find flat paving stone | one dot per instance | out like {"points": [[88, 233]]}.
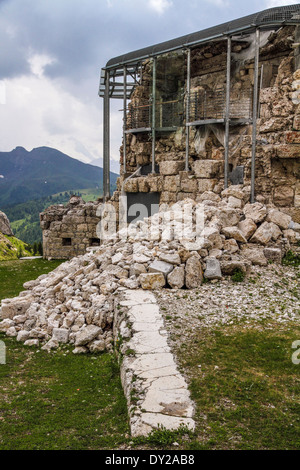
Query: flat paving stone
{"points": [[161, 393]]}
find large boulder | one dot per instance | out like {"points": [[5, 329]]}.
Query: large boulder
{"points": [[5, 227], [193, 272], [152, 281]]}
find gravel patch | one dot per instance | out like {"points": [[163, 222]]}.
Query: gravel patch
{"points": [[269, 295]]}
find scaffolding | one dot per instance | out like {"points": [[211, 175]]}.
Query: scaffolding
{"points": [[168, 116], [210, 106], [160, 113]]}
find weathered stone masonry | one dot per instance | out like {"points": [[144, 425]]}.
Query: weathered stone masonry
{"points": [[70, 230], [184, 148], [278, 131], [101, 301]]}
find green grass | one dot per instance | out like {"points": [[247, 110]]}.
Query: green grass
{"points": [[60, 401], [291, 259], [11, 248], [246, 390], [238, 276], [13, 274], [89, 194]]}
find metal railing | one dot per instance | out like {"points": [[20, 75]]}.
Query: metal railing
{"points": [[138, 117], [203, 105], [207, 105], [168, 115]]}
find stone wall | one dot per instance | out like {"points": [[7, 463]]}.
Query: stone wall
{"points": [[70, 230], [278, 128]]}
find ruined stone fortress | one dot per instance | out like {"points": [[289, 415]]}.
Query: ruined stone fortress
{"points": [[216, 108], [210, 167]]}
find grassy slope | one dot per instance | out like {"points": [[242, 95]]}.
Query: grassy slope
{"points": [[246, 390], [13, 274], [56, 401], [60, 401], [11, 248]]}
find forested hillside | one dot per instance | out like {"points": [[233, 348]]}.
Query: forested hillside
{"points": [[32, 181], [26, 176], [25, 220]]}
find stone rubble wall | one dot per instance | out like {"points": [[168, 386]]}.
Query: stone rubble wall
{"points": [[278, 142], [75, 303], [77, 222], [278, 130]]}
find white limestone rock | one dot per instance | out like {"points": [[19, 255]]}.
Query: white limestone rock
{"points": [[279, 218], [213, 269], [257, 212], [160, 267], [61, 335], [6, 324], [193, 272], [170, 258], [32, 343], [13, 307], [248, 227], [176, 278], [152, 281], [23, 336], [235, 233], [255, 255], [97, 346], [87, 334], [263, 234]]}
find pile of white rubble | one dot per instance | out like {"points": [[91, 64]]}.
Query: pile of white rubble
{"points": [[176, 248]]}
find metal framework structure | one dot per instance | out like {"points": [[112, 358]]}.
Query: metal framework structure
{"points": [[122, 74]]}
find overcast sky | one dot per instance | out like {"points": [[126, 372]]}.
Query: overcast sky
{"points": [[51, 53]]}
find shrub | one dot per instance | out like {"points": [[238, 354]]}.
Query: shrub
{"points": [[238, 275], [291, 259]]}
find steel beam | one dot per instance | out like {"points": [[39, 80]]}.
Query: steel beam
{"points": [[124, 120], [153, 113], [227, 113], [187, 128], [255, 113], [106, 140]]}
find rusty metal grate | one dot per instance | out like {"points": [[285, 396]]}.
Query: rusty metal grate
{"points": [[211, 105], [138, 117], [169, 114]]}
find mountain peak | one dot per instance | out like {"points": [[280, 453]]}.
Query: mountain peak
{"points": [[25, 174]]}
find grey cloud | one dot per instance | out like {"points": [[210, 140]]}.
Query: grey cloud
{"points": [[82, 36]]}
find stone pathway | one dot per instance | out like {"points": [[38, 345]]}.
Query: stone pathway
{"points": [[156, 392]]}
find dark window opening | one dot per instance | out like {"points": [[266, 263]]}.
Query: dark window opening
{"points": [[147, 169], [94, 242], [236, 175], [141, 205], [67, 241]]}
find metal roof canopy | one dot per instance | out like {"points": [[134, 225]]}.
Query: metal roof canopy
{"points": [[130, 65], [271, 17], [266, 19]]}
